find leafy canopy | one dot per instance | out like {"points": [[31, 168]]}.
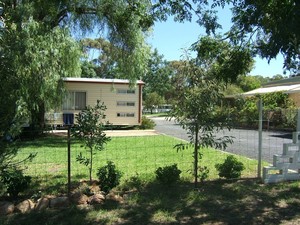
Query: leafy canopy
{"points": [[271, 26]]}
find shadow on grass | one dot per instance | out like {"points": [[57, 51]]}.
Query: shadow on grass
{"points": [[216, 202], [47, 141], [56, 185]]}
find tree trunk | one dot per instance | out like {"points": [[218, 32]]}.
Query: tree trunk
{"points": [[196, 152], [37, 121], [91, 165]]}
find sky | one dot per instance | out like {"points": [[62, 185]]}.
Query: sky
{"points": [[171, 38]]}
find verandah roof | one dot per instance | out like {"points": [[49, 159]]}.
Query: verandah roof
{"points": [[284, 88]]}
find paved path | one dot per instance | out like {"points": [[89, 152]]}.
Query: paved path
{"points": [[130, 133], [245, 141], [116, 133]]}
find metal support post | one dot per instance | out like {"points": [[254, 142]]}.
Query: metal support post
{"points": [[260, 120]]}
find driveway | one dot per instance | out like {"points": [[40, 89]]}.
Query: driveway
{"points": [[245, 141]]}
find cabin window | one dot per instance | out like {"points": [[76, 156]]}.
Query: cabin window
{"points": [[126, 91], [125, 114], [124, 103], [75, 100]]}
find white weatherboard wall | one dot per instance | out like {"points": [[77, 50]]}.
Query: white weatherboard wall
{"points": [[123, 102]]}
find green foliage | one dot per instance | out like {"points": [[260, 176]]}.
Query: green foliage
{"points": [[89, 129], [263, 23], [275, 100], [248, 83], [203, 173], [222, 60], [152, 101], [109, 176], [199, 92], [248, 114], [14, 181], [133, 183], [157, 78], [168, 175], [277, 107], [231, 168], [147, 123], [88, 70]]}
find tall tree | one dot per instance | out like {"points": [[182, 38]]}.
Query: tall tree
{"points": [[158, 76], [197, 107], [248, 83], [152, 101], [36, 59], [272, 26], [37, 49], [105, 56]]}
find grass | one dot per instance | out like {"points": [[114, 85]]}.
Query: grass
{"points": [[244, 201], [132, 155], [217, 201]]}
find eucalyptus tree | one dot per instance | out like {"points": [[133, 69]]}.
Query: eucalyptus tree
{"points": [[199, 96], [152, 101], [89, 129], [158, 76], [271, 26]]}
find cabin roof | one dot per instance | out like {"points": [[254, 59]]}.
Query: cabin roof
{"points": [[101, 80]]}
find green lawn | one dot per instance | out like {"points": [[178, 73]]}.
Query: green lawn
{"points": [[217, 201], [132, 155]]}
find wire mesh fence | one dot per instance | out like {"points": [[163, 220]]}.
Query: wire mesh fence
{"points": [[140, 153]]}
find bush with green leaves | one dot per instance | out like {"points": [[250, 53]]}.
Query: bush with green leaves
{"points": [[109, 176], [14, 181], [231, 168], [147, 123], [132, 183], [203, 173], [168, 175]]}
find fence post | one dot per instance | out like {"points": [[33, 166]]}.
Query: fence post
{"points": [[69, 161], [260, 120], [298, 121]]}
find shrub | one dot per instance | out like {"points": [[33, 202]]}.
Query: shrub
{"points": [[231, 168], [147, 123], [109, 177], [14, 181], [168, 175], [203, 173], [133, 183]]}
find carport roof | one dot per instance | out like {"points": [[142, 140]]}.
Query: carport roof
{"points": [[284, 88]]}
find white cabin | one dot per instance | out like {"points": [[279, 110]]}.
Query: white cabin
{"points": [[122, 99]]}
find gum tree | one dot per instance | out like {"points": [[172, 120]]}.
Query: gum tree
{"points": [[89, 129], [198, 103], [271, 27]]}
